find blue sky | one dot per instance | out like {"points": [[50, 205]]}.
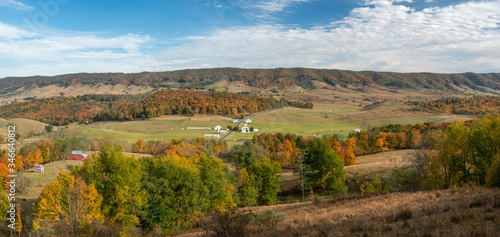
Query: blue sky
{"points": [[50, 37]]}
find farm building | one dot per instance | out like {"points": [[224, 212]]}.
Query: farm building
{"points": [[223, 132], [358, 130], [212, 135], [217, 128], [248, 120], [77, 155], [235, 120], [38, 168], [245, 129]]}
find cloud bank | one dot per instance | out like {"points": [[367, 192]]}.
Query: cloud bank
{"points": [[380, 35]]}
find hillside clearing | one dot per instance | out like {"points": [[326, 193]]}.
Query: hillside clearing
{"points": [[454, 212]]}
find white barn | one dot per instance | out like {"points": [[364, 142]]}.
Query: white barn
{"points": [[212, 135], [245, 129]]}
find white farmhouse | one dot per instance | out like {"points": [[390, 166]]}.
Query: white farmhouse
{"points": [[38, 168], [358, 130], [245, 129], [235, 120], [248, 121], [217, 128]]}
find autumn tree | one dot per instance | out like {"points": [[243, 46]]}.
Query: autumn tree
{"points": [[18, 224], [117, 179], [4, 204], [139, 146], [69, 205], [35, 157]]}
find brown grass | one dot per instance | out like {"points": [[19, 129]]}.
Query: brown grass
{"points": [[37, 181], [379, 165], [75, 90], [457, 212]]}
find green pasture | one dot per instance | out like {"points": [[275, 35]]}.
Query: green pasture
{"points": [[322, 120], [306, 122]]}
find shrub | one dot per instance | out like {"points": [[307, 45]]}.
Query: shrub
{"points": [[230, 223], [270, 219]]}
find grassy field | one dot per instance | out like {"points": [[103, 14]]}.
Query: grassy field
{"points": [[379, 165], [30, 184], [454, 212], [340, 117]]}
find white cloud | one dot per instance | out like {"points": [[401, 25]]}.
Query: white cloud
{"points": [[10, 32], [273, 5], [15, 4], [55, 52], [263, 9], [382, 36]]}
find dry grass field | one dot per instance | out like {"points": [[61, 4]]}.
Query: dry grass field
{"points": [[456, 212], [75, 90], [30, 184], [379, 165]]}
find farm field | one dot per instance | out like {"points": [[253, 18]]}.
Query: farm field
{"points": [[340, 117], [379, 165]]}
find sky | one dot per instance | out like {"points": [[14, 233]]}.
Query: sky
{"points": [[51, 37]]}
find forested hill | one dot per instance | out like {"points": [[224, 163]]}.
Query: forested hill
{"points": [[261, 78], [65, 110]]}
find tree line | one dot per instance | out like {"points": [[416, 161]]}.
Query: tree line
{"points": [[476, 105], [64, 110]]}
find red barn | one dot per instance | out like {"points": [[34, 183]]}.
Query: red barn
{"points": [[77, 155]]}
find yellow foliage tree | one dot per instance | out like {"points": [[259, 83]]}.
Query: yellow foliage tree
{"points": [[139, 146], [4, 206], [68, 204], [19, 162], [18, 224]]}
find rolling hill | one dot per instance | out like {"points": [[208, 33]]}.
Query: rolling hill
{"points": [[280, 78]]}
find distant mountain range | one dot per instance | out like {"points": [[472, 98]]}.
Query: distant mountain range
{"points": [[261, 78]]}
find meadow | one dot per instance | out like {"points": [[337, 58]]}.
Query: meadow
{"points": [[339, 117]]}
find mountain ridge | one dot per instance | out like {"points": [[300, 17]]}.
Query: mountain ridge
{"points": [[261, 78]]}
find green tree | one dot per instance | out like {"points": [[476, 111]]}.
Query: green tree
{"points": [[249, 192], [173, 193], [246, 155], [4, 204], [117, 178], [49, 128], [268, 177], [323, 167]]}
